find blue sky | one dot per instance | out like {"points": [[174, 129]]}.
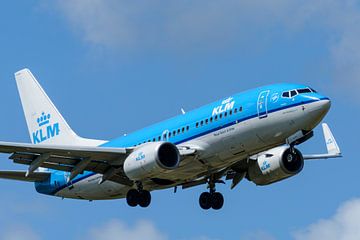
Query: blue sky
{"points": [[112, 67]]}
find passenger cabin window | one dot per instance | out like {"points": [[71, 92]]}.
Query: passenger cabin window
{"points": [[240, 109], [197, 124], [235, 110], [206, 121], [187, 128]]}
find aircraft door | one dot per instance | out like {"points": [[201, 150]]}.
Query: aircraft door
{"points": [[262, 104]]}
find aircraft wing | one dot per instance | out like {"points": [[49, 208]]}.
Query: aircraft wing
{"points": [[73, 159]]}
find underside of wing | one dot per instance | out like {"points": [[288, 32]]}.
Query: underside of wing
{"points": [[21, 176], [73, 159]]}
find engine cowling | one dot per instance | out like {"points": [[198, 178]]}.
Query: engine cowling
{"points": [[151, 159], [275, 165]]}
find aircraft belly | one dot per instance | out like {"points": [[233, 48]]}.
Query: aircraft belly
{"points": [[89, 189]]}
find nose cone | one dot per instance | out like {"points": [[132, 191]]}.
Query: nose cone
{"points": [[325, 105]]}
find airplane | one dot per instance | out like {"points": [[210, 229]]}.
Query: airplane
{"points": [[250, 135]]}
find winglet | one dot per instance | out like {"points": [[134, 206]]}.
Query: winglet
{"points": [[331, 145], [333, 150]]}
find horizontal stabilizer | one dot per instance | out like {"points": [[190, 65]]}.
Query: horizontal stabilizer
{"points": [[21, 176], [333, 150]]}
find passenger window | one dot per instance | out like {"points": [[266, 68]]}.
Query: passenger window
{"points": [[201, 123], [183, 129], [159, 138], [211, 119], [216, 117], [225, 114], [235, 110], [240, 109], [220, 115], [154, 139], [206, 121], [169, 134], [230, 112], [187, 128], [197, 124], [178, 131], [174, 133]]}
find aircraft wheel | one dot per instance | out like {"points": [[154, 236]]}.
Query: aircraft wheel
{"points": [[217, 201], [205, 200], [144, 198], [132, 197]]}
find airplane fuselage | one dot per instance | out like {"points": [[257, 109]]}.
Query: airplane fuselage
{"points": [[224, 132]]}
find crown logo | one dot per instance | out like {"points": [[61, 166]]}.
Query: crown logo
{"points": [[43, 119]]}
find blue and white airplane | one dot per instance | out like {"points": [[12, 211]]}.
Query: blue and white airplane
{"points": [[249, 135]]}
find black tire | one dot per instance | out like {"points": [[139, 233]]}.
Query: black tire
{"points": [[205, 200], [132, 198], [217, 201], [144, 198]]}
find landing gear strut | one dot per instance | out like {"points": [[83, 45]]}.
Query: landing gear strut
{"points": [[211, 199], [139, 197]]}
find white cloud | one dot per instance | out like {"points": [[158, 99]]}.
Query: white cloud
{"points": [[344, 225], [115, 229], [18, 232]]}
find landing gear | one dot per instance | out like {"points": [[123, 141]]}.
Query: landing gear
{"points": [[212, 199], [139, 197]]}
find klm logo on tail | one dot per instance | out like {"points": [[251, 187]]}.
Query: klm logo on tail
{"points": [[46, 129]]}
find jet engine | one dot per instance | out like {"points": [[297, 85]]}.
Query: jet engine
{"points": [[151, 159], [274, 165]]}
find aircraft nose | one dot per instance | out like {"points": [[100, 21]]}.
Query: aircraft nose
{"points": [[325, 104]]}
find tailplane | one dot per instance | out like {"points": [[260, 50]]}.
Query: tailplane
{"points": [[45, 123]]}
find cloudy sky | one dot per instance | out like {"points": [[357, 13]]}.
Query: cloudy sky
{"points": [[114, 66]]}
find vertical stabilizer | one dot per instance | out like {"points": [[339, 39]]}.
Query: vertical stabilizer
{"points": [[45, 123]]}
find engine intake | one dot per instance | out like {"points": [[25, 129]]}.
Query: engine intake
{"points": [[151, 160], [275, 165]]}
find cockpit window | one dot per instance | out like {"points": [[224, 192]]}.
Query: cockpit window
{"points": [[313, 90], [293, 93], [304, 90], [286, 94]]}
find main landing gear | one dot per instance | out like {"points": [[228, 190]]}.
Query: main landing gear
{"points": [[139, 197], [211, 199]]}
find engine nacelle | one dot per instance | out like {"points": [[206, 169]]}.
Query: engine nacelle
{"points": [[275, 165], [151, 159]]}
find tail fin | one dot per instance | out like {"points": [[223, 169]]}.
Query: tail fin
{"points": [[44, 121]]}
